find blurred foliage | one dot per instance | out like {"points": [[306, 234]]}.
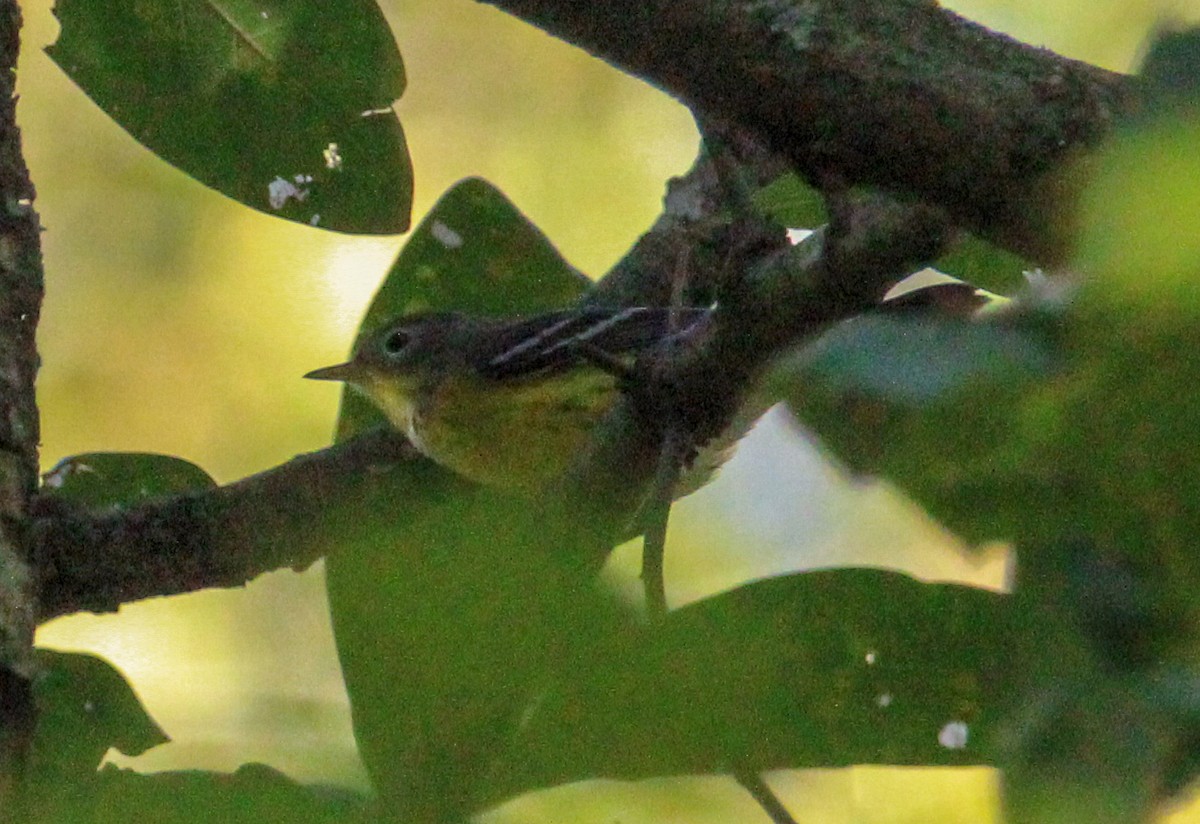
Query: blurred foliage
{"points": [[947, 408], [1065, 425], [1139, 241], [888, 356], [1170, 74], [281, 106]]}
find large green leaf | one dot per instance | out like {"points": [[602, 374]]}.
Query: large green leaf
{"points": [[447, 624], [817, 669], [284, 106], [446, 615], [951, 410], [85, 707], [254, 794]]}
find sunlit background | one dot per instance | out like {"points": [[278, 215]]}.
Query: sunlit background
{"points": [[177, 321]]}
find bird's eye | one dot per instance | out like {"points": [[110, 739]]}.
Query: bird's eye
{"points": [[395, 342]]}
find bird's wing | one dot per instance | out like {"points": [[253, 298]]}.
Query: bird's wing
{"points": [[558, 340]]}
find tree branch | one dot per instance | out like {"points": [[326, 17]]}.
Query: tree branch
{"points": [[692, 239], [903, 96], [20, 305], [288, 516]]}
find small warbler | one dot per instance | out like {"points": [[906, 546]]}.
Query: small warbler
{"points": [[505, 403]]}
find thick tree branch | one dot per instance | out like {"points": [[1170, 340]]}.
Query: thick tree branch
{"points": [[20, 305], [286, 517], [903, 96]]}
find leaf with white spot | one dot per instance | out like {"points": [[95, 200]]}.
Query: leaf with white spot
{"points": [[245, 94], [120, 479], [817, 669]]}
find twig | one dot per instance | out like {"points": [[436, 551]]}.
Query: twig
{"points": [[765, 796], [657, 514]]}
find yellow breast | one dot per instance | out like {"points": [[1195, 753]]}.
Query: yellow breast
{"points": [[516, 435], [521, 435]]}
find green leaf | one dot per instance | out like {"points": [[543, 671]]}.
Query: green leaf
{"points": [[474, 252], [916, 361], [957, 413], [253, 794], [984, 265], [283, 106], [120, 479], [1093, 749], [445, 613], [817, 669], [447, 622], [792, 202], [86, 707]]}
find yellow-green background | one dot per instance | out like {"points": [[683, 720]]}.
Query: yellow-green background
{"points": [[177, 321]]}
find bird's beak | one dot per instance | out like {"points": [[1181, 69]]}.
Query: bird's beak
{"points": [[349, 372]]}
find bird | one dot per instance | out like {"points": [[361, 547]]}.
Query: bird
{"points": [[507, 403]]}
